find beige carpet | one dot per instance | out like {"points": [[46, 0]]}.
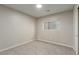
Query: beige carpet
{"points": [[39, 48]]}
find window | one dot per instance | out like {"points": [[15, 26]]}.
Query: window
{"points": [[51, 25]]}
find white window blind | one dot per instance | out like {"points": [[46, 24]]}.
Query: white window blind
{"points": [[51, 25]]}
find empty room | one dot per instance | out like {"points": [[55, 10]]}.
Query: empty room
{"points": [[38, 29]]}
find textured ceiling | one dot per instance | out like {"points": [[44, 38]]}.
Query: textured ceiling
{"points": [[47, 9]]}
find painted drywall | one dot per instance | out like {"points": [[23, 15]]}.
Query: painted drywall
{"points": [[63, 36], [75, 28], [15, 28]]}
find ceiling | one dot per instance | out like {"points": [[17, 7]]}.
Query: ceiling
{"points": [[47, 9]]}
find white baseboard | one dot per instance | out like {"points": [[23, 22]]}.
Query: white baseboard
{"points": [[76, 52], [16, 45], [56, 43]]}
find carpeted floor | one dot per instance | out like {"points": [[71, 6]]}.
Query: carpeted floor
{"points": [[39, 48]]}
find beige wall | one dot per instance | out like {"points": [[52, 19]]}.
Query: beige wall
{"points": [[63, 36], [15, 28]]}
